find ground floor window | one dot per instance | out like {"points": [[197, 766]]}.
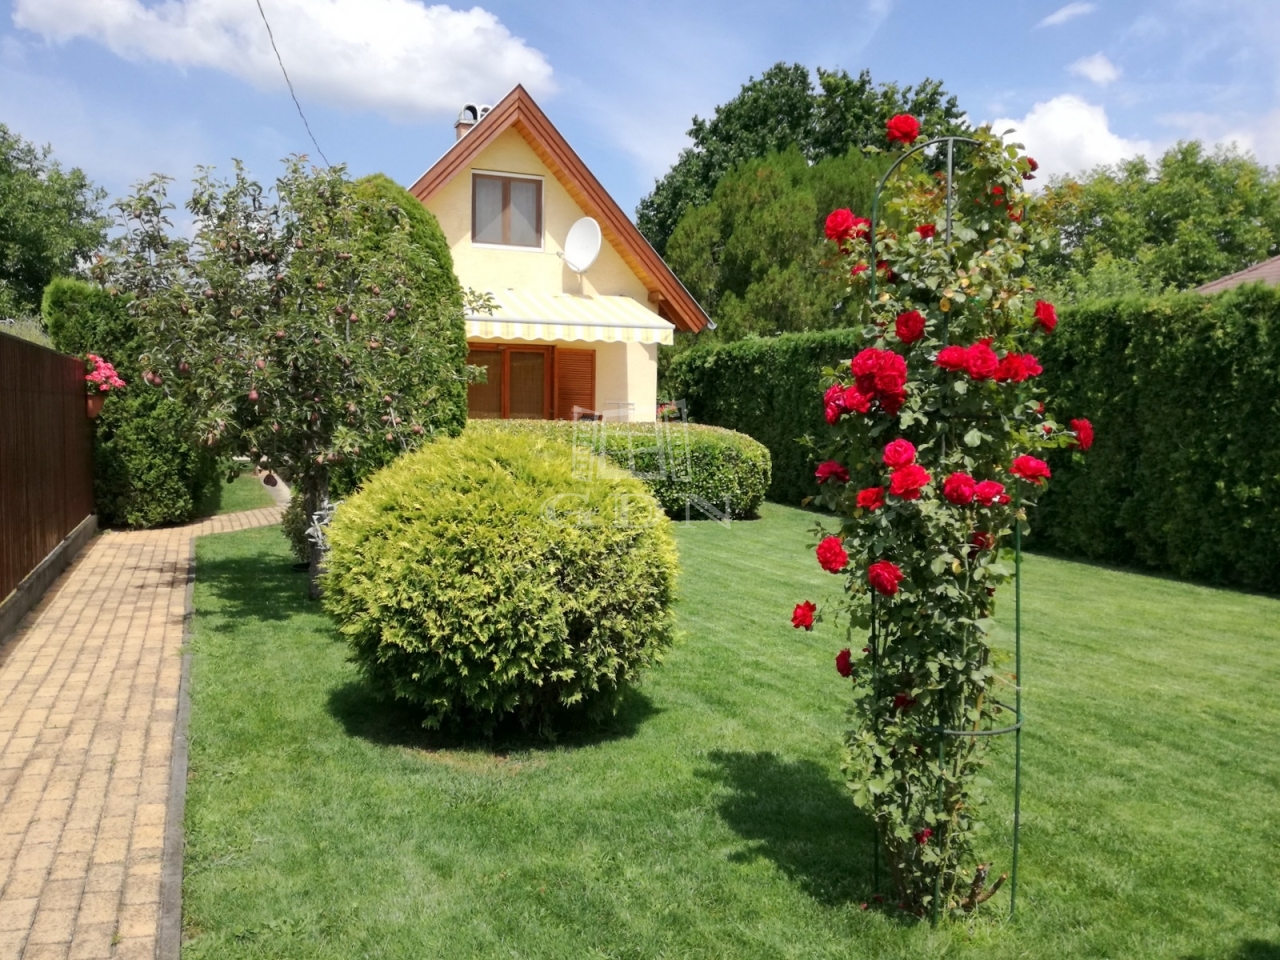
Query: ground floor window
{"points": [[527, 382]]}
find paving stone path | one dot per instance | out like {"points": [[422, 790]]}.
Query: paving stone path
{"points": [[89, 708]]}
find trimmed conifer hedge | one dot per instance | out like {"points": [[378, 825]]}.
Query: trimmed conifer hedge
{"points": [[1184, 395], [767, 388]]}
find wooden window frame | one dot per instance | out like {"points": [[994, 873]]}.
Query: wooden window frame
{"points": [[548, 373], [505, 180]]}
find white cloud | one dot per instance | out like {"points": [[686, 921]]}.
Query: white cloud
{"points": [[400, 58], [1069, 12], [1259, 135], [1096, 68], [1068, 135]]}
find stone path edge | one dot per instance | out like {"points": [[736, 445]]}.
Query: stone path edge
{"points": [[169, 935]]}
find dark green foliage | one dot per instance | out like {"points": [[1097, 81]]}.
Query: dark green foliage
{"points": [[1190, 218], [50, 220], [679, 463], [780, 110], [754, 255], [1184, 394], [769, 389], [294, 523], [479, 577], [149, 468], [435, 283]]}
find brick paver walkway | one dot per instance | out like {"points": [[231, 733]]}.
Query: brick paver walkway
{"points": [[89, 691]]}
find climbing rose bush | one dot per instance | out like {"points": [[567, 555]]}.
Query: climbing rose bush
{"points": [[936, 424]]}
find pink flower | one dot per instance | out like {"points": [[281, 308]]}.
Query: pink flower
{"points": [[899, 453], [832, 470]]}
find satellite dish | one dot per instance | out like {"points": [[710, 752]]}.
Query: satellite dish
{"points": [[582, 245]]}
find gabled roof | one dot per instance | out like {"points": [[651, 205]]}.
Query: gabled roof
{"points": [[1268, 272], [518, 110]]}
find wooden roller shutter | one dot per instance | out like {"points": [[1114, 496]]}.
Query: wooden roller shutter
{"points": [[575, 381]]}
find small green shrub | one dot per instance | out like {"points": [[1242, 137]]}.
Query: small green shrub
{"points": [[479, 578], [767, 388], [148, 467], [679, 463], [294, 524]]}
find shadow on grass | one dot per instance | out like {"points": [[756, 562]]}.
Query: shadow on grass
{"points": [[364, 713], [262, 587], [1248, 950], [795, 815]]}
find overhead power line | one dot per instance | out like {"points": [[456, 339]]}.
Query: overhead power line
{"points": [[289, 83]]}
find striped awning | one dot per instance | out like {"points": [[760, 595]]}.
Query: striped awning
{"points": [[527, 315]]}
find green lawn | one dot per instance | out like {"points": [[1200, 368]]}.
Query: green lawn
{"points": [[245, 493], [711, 820]]}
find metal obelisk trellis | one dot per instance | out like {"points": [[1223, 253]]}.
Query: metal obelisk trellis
{"points": [[1016, 727]]}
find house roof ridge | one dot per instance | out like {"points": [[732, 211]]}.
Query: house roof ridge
{"points": [[519, 110]]}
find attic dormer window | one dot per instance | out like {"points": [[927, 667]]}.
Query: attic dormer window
{"points": [[506, 211]]}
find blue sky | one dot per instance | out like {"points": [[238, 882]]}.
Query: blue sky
{"points": [[127, 87]]}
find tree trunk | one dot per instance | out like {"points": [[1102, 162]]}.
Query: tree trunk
{"points": [[315, 490]]}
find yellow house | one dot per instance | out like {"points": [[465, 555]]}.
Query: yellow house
{"points": [[562, 343]]}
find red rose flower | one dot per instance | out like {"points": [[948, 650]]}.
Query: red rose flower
{"points": [[802, 615], [833, 413], [899, 453], [1016, 367], [1046, 316], [1030, 174], [990, 492], [832, 470], [882, 266], [1015, 215], [831, 555], [903, 129], [952, 358], [1030, 469], [982, 540], [844, 663], [834, 394], [906, 482], [839, 226], [892, 402], [959, 488], [997, 193], [865, 366], [857, 401], [884, 577], [871, 498], [927, 230], [909, 326], [980, 361], [903, 701], [1084, 433], [922, 837], [856, 269]]}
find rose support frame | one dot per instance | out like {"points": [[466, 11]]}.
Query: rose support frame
{"points": [[1016, 727]]}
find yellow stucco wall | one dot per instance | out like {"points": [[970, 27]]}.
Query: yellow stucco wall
{"points": [[625, 372], [502, 268]]}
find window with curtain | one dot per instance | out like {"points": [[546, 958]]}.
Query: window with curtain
{"points": [[506, 210]]}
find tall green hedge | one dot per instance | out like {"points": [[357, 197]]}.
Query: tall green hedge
{"points": [[1184, 395], [148, 468], [768, 389]]}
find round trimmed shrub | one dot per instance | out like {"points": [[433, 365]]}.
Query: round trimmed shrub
{"points": [[718, 466], [479, 578]]}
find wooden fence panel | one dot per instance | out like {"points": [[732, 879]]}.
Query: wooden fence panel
{"points": [[46, 455]]}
